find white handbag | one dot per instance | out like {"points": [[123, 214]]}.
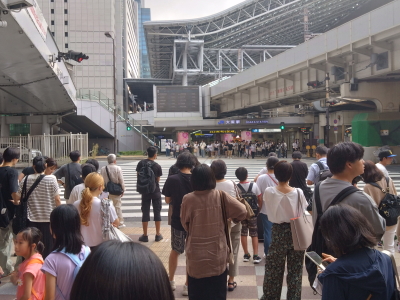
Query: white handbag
{"points": [[109, 231], [302, 228]]}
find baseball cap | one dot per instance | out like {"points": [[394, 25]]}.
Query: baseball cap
{"points": [[386, 153]]}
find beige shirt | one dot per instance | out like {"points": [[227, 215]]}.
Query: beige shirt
{"points": [[376, 193], [206, 247], [116, 175]]}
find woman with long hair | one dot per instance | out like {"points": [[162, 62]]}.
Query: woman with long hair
{"points": [[89, 208], [372, 177]]}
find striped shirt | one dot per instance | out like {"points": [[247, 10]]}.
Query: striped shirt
{"points": [[41, 202]]}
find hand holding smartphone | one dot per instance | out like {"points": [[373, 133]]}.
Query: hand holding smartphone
{"points": [[316, 259]]}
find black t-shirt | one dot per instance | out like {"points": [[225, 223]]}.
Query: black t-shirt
{"points": [[156, 169], [300, 172], [230, 147], [177, 186], [173, 170], [8, 185], [28, 171]]}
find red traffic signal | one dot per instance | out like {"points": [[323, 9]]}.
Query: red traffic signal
{"points": [[77, 56]]}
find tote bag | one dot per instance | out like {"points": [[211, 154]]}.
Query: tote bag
{"points": [[302, 228]]}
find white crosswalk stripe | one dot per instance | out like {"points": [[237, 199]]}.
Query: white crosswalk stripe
{"points": [[131, 202]]}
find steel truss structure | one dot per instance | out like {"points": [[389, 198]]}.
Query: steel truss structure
{"points": [[265, 23]]}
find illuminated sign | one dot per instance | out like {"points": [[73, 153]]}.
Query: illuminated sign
{"points": [[228, 122], [222, 131], [266, 130]]}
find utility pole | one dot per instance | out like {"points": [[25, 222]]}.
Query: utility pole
{"points": [[327, 110], [108, 34]]}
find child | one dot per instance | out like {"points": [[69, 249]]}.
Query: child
{"points": [[251, 193], [62, 265], [29, 278]]}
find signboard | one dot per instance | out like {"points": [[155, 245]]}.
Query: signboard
{"points": [[178, 98], [38, 19], [384, 132], [335, 129], [229, 122], [222, 131], [254, 121], [266, 130]]}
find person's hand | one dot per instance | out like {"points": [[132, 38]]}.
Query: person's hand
{"points": [[328, 258], [1, 272], [15, 202], [14, 277]]}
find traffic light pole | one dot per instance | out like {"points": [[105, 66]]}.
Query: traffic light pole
{"points": [[115, 101], [327, 110]]}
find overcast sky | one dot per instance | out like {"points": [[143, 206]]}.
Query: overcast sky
{"points": [[186, 9]]}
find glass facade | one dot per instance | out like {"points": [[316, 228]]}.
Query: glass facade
{"points": [[144, 16]]}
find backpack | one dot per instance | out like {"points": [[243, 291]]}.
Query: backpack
{"points": [[146, 180], [323, 173], [73, 179], [389, 208], [318, 244], [76, 260], [250, 197]]}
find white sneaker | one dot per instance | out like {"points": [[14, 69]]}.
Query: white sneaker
{"points": [[121, 226], [185, 291], [173, 287]]}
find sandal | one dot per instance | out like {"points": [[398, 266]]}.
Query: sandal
{"points": [[231, 286]]}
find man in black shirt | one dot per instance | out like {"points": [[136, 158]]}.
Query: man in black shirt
{"points": [[175, 187], [71, 172], [29, 170], [153, 198], [300, 172], [9, 189]]}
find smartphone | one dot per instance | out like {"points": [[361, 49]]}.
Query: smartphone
{"points": [[316, 259]]}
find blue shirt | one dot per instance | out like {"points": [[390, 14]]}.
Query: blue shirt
{"points": [[313, 174]]}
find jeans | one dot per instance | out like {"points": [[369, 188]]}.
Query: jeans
{"points": [[202, 152], [167, 152], [6, 237], [267, 231]]}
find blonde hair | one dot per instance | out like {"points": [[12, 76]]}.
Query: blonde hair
{"points": [[92, 182]]}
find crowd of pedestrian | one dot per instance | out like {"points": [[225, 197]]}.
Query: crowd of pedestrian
{"points": [[63, 251]]}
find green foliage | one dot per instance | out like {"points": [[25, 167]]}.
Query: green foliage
{"points": [[95, 150], [130, 153]]}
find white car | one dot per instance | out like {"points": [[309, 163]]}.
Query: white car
{"points": [[24, 151]]}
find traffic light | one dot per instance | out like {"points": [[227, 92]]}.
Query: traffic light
{"points": [[282, 125], [315, 84], [128, 127], [77, 56]]}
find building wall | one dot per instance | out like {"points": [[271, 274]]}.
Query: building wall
{"points": [[80, 26], [144, 16]]}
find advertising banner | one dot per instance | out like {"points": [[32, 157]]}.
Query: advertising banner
{"points": [[246, 135], [182, 137]]}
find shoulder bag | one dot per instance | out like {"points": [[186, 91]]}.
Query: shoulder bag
{"points": [[113, 188], [396, 295], [227, 227], [21, 211], [389, 208], [109, 231], [302, 227], [250, 212]]}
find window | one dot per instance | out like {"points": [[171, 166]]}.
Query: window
{"points": [[52, 10], [20, 129], [52, 1], [52, 22], [66, 34], [66, 45], [52, 33], [65, 22], [65, 11], [65, 1]]}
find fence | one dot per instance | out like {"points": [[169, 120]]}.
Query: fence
{"points": [[55, 146]]}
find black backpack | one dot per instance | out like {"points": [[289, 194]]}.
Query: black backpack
{"points": [[73, 179], [318, 244], [323, 173], [389, 208], [146, 180], [250, 197]]}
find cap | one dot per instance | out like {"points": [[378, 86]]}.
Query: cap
{"points": [[386, 153]]}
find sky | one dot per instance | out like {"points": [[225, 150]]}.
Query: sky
{"points": [[186, 9]]}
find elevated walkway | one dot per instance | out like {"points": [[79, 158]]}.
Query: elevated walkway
{"points": [[366, 49]]}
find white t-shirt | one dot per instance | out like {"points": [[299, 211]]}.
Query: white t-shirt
{"points": [[255, 188], [383, 169], [93, 234], [227, 186], [76, 193], [264, 181], [263, 171], [283, 207]]}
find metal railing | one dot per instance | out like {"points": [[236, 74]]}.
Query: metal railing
{"points": [[55, 146]]}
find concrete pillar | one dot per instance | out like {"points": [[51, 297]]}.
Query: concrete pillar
{"points": [[5, 128], [45, 125]]}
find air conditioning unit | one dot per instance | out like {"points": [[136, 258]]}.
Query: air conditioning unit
{"points": [[16, 4]]}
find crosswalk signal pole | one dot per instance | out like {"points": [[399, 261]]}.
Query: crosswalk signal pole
{"points": [[327, 110]]}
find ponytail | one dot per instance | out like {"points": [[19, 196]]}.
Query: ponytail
{"points": [[40, 247], [85, 206], [33, 236]]}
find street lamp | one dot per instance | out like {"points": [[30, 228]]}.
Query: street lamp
{"points": [[108, 34]]}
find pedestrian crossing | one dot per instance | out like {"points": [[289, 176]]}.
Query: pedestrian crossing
{"points": [[131, 201]]}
